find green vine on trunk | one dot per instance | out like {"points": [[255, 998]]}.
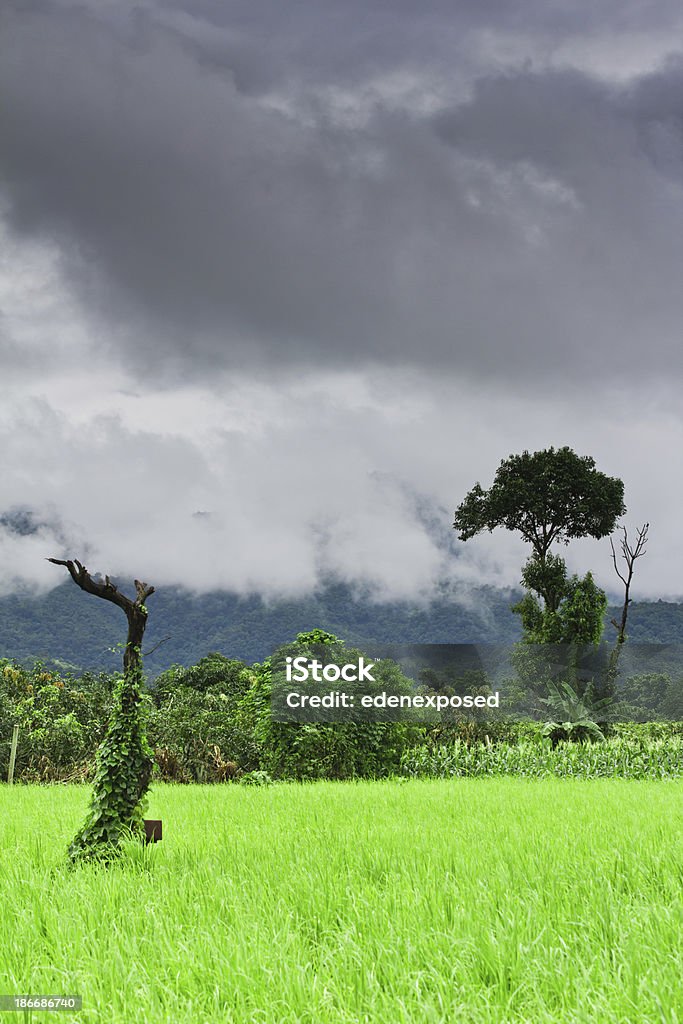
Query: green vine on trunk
{"points": [[122, 776], [124, 759]]}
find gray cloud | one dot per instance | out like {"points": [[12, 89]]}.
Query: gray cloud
{"points": [[312, 270], [312, 214]]}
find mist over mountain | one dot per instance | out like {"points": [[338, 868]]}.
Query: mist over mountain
{"points": [[69, 626], [19, 521]]}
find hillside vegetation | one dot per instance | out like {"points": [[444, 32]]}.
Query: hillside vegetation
{"points": [[67, 626]]}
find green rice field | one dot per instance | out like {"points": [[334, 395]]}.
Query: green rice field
{"points": [[457, 900]]}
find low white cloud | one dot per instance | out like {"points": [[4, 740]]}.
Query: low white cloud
{"points": [[320, 480]]}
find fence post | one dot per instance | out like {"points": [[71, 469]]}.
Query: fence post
{"points": [[13, 755]]}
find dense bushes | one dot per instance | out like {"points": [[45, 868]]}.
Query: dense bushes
{"points": [[321, 749], [212, 722], [200, 725], [61, 721], [208, 723]]}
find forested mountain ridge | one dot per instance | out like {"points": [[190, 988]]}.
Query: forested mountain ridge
{"points": [[69, 626]]}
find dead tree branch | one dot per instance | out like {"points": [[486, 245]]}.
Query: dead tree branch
{"points": [[135, 610], [153, 649], [630, 554]]}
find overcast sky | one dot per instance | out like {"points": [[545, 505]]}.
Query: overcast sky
{"points": [[280, 281]]}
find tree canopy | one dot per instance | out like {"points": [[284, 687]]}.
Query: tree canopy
{"points": [[547, 496]]}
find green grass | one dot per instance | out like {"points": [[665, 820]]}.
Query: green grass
{"points": [[463, 900]]}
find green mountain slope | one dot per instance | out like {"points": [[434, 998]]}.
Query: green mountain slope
{"points": [[73, 627]]}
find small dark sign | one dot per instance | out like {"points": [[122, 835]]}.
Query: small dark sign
{"points": [[152, 830]]}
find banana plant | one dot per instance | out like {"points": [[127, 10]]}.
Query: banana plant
{"points": [[574, 717]]}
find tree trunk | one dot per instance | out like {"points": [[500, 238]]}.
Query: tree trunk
{"points": [[124, 759]]}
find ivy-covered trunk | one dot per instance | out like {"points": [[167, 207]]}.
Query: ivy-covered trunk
{"points": [[122, 775], [124, 759]]}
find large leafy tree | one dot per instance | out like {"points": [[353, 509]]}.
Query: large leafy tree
{"points": [[549, 496]]}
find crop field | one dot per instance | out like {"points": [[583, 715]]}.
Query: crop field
{"points": [[476, 900]]}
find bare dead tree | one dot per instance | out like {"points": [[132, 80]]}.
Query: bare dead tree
{"points": [[630, 553], [124, 758], [136, 611]]}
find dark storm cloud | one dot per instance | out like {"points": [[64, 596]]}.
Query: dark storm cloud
{"points": [[337, 38], [243, 188]]}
